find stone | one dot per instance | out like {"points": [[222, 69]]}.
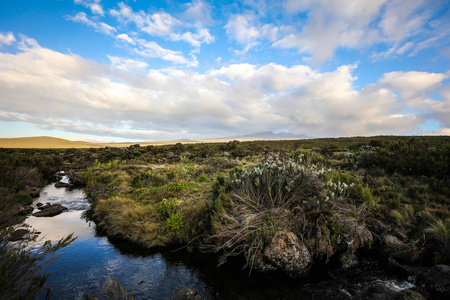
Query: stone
{"points": [[436, 280], [348, 261], [398, 269], [63, 184], [50, 210], [288, 254], [18, 235], [186, 294]]}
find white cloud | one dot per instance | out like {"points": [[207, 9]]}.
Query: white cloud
{"points": [[246, 30], [195, 39], [67, 92], [402, 26], [403, 18], [127, 64], [164, 25], [411, 83], [7, 39], [98, 26], [93, 5], [154, 50], [198, 12], [124, 37]]}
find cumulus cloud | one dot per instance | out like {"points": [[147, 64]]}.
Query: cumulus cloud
{"points": [[126, 99], [318, 28], [246, 30], [93, 5], [124, 37], [7, 39], [164, 25], [98, 26], [412, 83]]}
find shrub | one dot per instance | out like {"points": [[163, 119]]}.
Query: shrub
{"points": [[286, 193]]}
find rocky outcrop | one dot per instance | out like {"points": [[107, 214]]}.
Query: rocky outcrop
{"points": [[286, 253], [437, 280], [186, 294], [50, 210]]}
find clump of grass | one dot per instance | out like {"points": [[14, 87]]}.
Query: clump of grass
{"points": [[287, 193]]}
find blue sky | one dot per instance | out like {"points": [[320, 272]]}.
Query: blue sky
{"points": [[164, 70]]}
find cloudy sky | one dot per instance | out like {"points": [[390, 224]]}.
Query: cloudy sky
{"points": [[163, 70]]}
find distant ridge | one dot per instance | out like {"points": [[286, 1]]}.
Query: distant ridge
{"points": [[46, 142], [266, 135], [43, 142]]}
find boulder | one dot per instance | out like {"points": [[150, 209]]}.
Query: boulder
{"points": [[18, 235], [63, 184], [186, 294], [39, 204], [288, 254], [398, 269], [50, 210], [436, 280], [348, 261]]}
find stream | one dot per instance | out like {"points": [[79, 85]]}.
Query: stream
{"points": [[159, 273]]}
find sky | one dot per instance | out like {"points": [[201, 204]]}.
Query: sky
{"points": [[100, 70]]}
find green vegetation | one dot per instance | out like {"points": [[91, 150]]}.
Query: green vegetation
{"points": [[387, 196], [20, 276]]}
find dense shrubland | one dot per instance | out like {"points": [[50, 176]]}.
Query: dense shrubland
{"points": [[386, 196]]}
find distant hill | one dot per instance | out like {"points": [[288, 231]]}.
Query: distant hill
{"points": [[51, 142], [266, 135], [43, 142]]}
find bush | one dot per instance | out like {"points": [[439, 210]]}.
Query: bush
{"points": [[285, 193]]}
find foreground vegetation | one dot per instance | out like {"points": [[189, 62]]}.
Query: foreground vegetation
{"points": [[322, 198]]}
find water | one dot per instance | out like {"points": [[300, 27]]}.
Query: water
{"points": [[158, 273]]}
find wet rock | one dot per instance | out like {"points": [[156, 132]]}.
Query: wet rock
{"points": [[287, 253], [18, 235], [409, 295], [63, 184], [50, 210], [39, 204], [348, 261], [186, 294], [398, 269], [260, 265], [436, 280]]}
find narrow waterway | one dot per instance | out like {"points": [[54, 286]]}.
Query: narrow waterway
{"points": [[157, 274], [87, 262]]}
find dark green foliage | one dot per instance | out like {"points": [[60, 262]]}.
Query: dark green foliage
{"points": [[20, 276], [146, 179]]}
